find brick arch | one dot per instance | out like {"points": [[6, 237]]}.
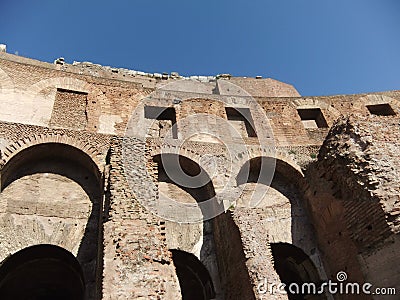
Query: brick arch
{"points": [[196, 162], [311, 103], [284, 159], [279, 155], [67, 83], [178, 150], [42, 104], [283, 165], [195, 156], [194, 181], [17, 243], [55, 181], [15, 148], [278, 204], [51, 260], [284, 256], [190, 153]]}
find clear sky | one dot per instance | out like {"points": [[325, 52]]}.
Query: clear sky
{"points": [[322, 47]]}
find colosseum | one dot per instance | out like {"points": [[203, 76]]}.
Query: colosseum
{"points": [[119, 184]]}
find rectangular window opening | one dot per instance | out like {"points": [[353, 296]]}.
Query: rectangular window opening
{"points": [[312, 118], [381, 109], [165, 120], [60, 90], [242, 120]]}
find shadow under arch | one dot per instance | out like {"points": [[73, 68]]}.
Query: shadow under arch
{"points": [[194, 279], [295, 267], [166, 163], [286, 181], [72, 163], [282, 206], [259, 170], [196, 239], [19, 164], [41, 272]]}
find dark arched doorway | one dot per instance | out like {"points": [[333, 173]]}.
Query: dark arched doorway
{"points": [[194, 279], [41, 272], [56, 191], [193, 234], [295, 267]]}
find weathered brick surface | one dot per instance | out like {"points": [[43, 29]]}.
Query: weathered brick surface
{"points": [[354, 189], [66, 180], [137, 264], [70, 110]]}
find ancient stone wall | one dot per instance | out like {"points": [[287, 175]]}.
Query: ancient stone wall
{"points": [[353, 194], [29, 94], [137, 264], [81, 168]]}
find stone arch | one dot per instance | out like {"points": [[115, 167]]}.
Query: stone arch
{"points": [[186, 191], [285, 159], [35, 103], [284, 189], [279, 164], [239, 160], [189, 168], [45, 272], [279, 155], [15, 148], [263, 170], [279, 213], [196, 238], [189, 153], [51, 193], [194, 279], [68, 83]]}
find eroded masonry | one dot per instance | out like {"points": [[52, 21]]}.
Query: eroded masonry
{"points": [[117, 184]]}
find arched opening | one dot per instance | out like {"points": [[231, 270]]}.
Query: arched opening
{"points": [[194, 238], [257, 170], [194, 279], [51, 193], [56, 156], [41, 272], [186, 192], [197, 183], [280, 216], [295, 268], [268, 182], [263, 169]]}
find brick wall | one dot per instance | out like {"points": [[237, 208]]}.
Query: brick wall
{"points": [[349, 196]]}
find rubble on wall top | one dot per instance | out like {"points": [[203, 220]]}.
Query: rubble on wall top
{"points": [[127, 72], [89, 66], [256, 86]]}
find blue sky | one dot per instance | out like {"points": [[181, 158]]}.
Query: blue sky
{"points": [[322, 47]]}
